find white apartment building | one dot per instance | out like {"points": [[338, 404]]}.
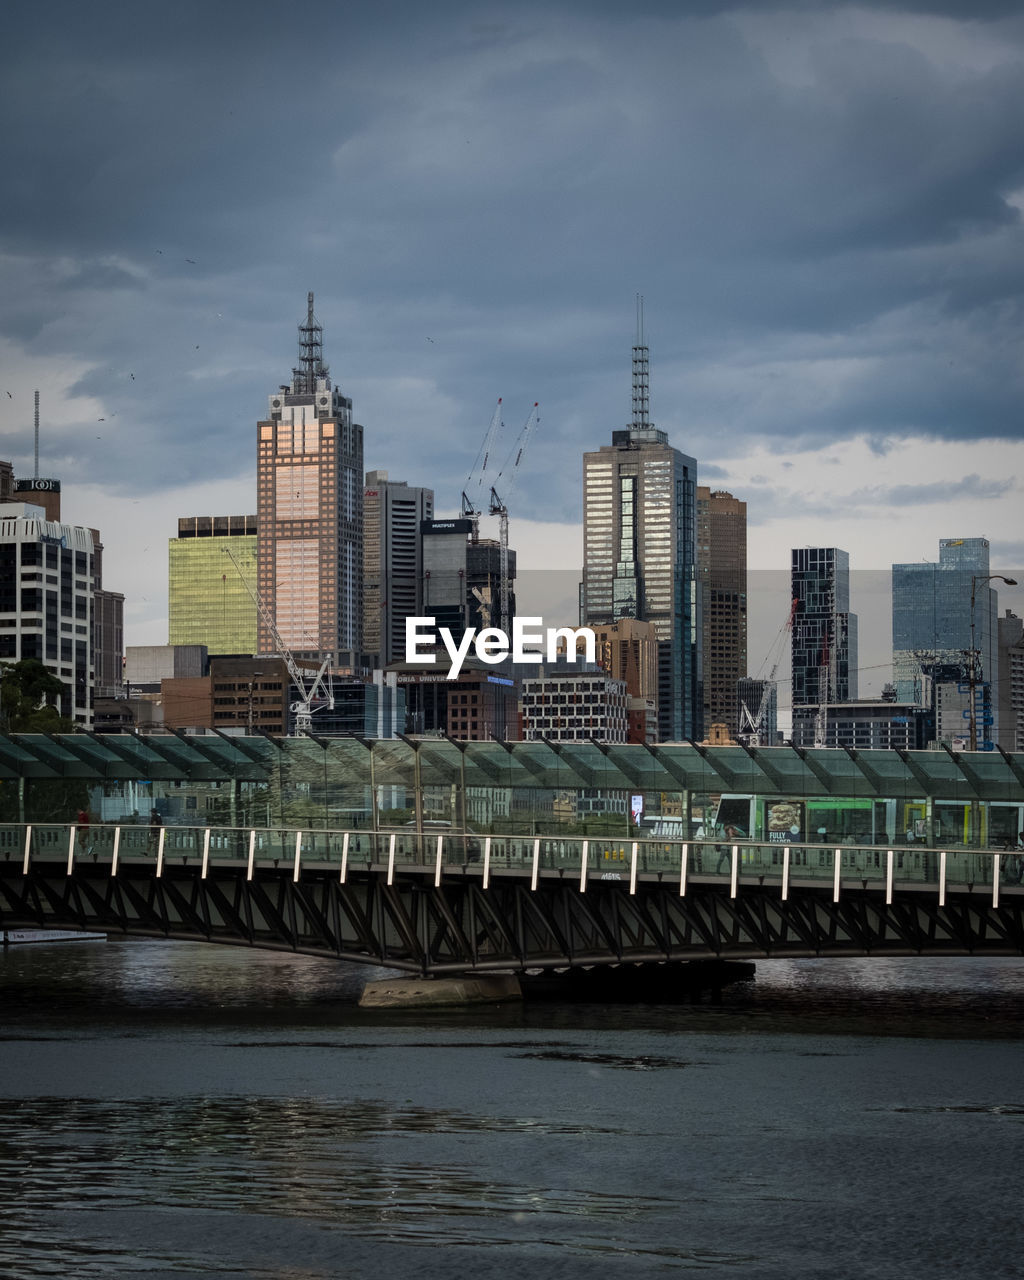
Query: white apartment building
{"points": [[46, 601]]}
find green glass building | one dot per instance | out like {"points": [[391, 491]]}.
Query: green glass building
{"points": [[208, 602]]}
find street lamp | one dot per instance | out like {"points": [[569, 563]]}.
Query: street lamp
{"points": [[973, 671]]}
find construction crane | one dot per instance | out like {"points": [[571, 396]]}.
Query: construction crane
{"points": [[320, 691], [751, 725], [500, 509], [471, 510]]}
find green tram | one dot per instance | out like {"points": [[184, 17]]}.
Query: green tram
{"points": [[833, 820]]}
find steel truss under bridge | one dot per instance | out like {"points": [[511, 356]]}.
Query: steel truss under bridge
{"points": [[429, 924]]}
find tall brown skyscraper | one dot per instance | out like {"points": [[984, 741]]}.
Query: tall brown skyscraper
{"points": [[309, 509], [722, 571]]}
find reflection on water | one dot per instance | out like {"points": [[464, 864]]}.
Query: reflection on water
{"points": [[180, 1110], [346, 1167], [202, 984]]}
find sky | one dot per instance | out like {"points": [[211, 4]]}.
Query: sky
{"points": [[820, 204]]}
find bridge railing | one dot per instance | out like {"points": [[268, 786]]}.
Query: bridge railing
{"points": [[582, 858]]}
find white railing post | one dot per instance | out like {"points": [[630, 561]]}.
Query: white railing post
{"points": [[252, 854], [206, 854], [785, 873], [487, 862], [536, 864], [942, 878], [117, 848], [583, 867], [297, 866], [391, 859], [682, 870], [632, 868], [438, 862], [837, 859], [28, 850], [71, 849], [888, 876], [734, 877], [344, 858], [995, 879], [160, 852]]}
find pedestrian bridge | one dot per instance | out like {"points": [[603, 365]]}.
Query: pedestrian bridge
{"points": [[450, 902]]}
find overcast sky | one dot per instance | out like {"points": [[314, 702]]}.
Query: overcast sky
{"points": [[821, 205]]}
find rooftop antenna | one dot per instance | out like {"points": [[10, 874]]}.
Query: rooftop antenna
{"points": [[37, 438], [311, 353], [641, 374]]}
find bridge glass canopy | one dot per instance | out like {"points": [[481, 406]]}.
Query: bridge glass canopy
{"points": [[348, 782]]}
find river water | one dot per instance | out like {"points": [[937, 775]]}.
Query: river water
{"points": [[178, 1110]]}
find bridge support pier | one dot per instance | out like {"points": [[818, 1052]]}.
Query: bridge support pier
{"points": [[417, 993]]}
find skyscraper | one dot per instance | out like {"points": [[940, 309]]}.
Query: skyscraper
{"points": [[392, 562], [208, 601], [639, 556], [824, 630], [722, 570], [309, 509], [931, 615]]}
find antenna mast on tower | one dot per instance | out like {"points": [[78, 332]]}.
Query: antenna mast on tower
{"points": [[36, 475], [641, 374], [311, 354]]}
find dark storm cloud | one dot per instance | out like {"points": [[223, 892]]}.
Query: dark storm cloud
{"points": [[475, 194], [910, 495], [773, 499]]}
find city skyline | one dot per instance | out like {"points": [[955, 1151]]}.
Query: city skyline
{"points": [[830, 257]]}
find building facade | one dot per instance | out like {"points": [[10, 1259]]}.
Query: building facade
{"points": [[309, 510], [575, 706], [393, 513], [480, 705], [46, 601], [722, 572], [1011, 682], [869, 725], [933, 621], [824, 641], [209, 564], [639, 556]]}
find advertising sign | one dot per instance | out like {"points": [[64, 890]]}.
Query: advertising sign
{"points": [[785, 821]]}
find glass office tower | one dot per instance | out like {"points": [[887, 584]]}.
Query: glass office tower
{"points": [[824, 644], [931, 614], [932, 640], [639, 557], [208, 602]]}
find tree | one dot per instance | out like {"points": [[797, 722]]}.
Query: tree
{"points": [[29, 699]]}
